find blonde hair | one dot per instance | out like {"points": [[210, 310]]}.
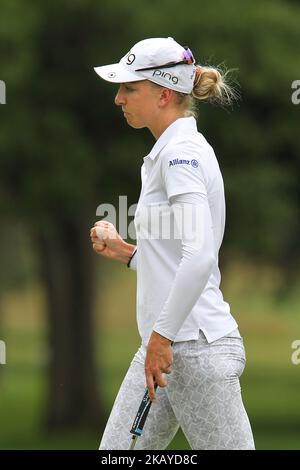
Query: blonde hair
{"points": [[211, 84]]}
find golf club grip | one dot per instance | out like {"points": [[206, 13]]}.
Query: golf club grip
{"points": [[141, 416]]}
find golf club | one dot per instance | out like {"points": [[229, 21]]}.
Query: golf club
{"points": [[141, 416]]}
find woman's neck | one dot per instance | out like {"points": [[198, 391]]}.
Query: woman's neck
{"points": [[159, 126]]}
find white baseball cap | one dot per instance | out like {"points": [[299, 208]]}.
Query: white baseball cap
{"points": [[160, 60]]}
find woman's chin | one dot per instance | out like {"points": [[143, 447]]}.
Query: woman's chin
{"points": [[132, 123]]}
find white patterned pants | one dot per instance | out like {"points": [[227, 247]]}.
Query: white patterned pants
{"points": [[203, 397]]}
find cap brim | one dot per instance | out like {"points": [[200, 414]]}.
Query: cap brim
{"points": [[117, 73]]}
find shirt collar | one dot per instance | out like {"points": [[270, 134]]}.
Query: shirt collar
{"points": [[181, 125]]}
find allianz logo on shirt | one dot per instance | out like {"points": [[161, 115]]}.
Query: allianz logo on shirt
{"points": [[178, 161]]}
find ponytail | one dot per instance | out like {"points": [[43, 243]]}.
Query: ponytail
{"points": [[211, 84]]}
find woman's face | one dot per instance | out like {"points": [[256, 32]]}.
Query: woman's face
{"points": [[139, 101]]}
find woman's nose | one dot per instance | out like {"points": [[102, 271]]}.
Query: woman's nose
{"points": [[119, 99]]}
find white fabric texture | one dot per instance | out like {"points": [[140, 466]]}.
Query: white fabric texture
{"points": [[193, 219], [181, 162], [203, 397]]}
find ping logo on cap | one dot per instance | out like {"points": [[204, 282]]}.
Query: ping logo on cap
{"points": [[166, 75]]}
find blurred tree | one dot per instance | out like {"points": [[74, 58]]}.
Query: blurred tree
{"points": [[41, 146], [65, 149]]}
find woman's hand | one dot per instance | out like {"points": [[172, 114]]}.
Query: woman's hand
{"points": [[159, 360], [107, 242]]}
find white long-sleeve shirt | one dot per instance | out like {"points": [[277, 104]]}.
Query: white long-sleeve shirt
{"points": [[179, 222]]}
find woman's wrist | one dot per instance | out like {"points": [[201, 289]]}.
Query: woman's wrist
{"points": [[126, 253], [162, 339]]}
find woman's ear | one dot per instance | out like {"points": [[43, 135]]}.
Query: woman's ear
{"points": [[165, 97]]}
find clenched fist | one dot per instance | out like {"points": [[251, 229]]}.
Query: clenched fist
{"points": [[107, 242]]}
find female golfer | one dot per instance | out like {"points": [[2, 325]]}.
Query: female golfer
{"points": [[186, 327]]}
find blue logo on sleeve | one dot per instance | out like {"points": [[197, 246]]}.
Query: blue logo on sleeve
{"points": [[178, 161]]}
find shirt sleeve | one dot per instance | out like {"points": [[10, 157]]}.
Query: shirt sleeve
{"points": [[182, 169], [192, 214]]}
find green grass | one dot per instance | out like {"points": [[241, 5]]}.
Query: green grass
{"points": [[270, 383]]}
